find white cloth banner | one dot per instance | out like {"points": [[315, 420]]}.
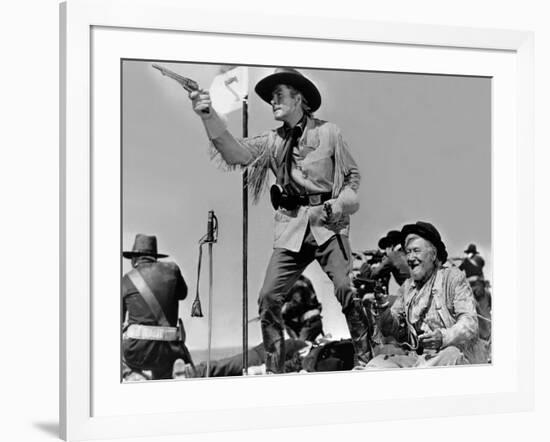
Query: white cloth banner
{"points": [[229, 88]]}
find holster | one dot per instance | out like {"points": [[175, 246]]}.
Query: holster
{"points": [[181, 331], [280, 198], [287, 199]]}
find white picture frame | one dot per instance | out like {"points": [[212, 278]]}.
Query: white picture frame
{"points": [[79, 416]]}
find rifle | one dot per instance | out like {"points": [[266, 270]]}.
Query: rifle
{"points": [[374, 256], [366, 286]]}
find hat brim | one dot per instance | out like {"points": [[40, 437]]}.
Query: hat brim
{"points": [[415, 229], [131, 255], [265, 87]]}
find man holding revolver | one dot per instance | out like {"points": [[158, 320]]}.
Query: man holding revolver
{"points": [[314, 195]]}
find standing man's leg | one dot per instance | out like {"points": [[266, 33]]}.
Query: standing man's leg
{"points": [[283, 270], [335, 259]]}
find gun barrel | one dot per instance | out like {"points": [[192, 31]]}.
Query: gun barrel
{"points": [[188, 84]]}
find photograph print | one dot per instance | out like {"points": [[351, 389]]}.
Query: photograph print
{"points": [[290, 220]]}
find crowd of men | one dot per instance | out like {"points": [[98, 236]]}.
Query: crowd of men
{"points": [[433, 319], [440, 314]]}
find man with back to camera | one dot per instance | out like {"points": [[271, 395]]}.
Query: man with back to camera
{"points": [[314, 195], [153, 337]]}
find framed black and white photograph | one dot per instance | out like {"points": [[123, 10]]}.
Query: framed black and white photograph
{"points": [[419, 148], [252, 210]]}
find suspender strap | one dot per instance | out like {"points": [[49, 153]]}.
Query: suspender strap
{"points": [[149, 297]]}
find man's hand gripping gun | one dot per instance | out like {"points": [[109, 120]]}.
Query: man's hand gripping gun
{"points": [[188, 84]]}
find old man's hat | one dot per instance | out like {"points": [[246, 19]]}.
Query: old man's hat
{"points": [[144, 245], [471, 249], [429, 233], [290, 77]]}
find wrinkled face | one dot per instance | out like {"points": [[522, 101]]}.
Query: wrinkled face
{"points": [[286, 107], [421, 257]]}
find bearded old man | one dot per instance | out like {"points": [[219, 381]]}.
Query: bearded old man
{"points": [[434, 316], [315, 193]]}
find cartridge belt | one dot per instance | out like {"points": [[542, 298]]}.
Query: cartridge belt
{"points": [[153, 333], [279, 198]]}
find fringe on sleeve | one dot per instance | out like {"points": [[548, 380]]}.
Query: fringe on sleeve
{"points": [[342, 166], [218, 161], [258, 169]]}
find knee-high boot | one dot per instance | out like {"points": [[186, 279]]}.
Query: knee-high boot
{"points": [[361, 333], [275, 358]]}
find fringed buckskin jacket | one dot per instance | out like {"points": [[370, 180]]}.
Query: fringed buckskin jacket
{"points": [[323, 164], [444, 302]]}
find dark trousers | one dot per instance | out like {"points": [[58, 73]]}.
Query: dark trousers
{"points": [[282, 272], [155, 356], [233, 365]]}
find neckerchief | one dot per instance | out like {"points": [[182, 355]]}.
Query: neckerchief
{"points": [[292, 135]]}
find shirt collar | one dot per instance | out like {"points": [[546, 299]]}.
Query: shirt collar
{"points": [[301, 124], [413, 282]]}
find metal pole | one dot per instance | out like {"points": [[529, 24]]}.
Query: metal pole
{"points": [[245, 246], [210, 315]]}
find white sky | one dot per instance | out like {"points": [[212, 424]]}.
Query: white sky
{"points": [[422, 143]]}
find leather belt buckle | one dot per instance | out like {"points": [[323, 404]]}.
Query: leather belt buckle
{"points": [[314, 200]]}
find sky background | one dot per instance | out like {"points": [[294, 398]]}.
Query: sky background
{"points": [[422, 143]]}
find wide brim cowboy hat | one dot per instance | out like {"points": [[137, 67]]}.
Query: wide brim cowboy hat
{"points": [[144, 245], [290, 77], [471, 249], [428, 232]]}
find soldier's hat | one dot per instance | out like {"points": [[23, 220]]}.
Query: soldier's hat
{"points": [[471, 249], [290, 77], [392, 238], [144, 245], [383, 243], [429, 233]]}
